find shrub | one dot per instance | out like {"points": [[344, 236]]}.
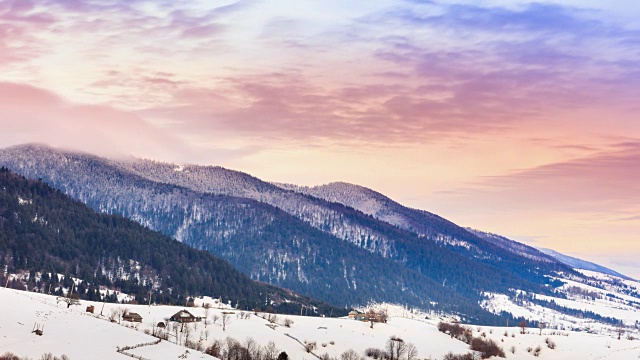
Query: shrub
{"points": [[537, 350], [487, 348], [374, 353], [451, 356], [214, 349], [550, 343], [9, 356], [310, 346]]}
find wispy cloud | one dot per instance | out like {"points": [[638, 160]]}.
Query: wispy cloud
{"points": [[30, 114]]}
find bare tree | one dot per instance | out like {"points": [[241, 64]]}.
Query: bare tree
{"points": [[207, 310], [186, 333], [371, 316], [72, 299], [541, 326], [226, 319], [271, 351], [287, 322], [350, 355], [523, 325], [395, 348], [113, 315], [412, 352], [176, 329], [251, 347], [273, 318], [620, 331], [121, 313]]}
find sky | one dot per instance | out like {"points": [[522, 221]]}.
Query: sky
{"points": [[509, 116]]}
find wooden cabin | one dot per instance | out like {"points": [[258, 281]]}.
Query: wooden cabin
{"points": [[132, 317], [183, 316]]}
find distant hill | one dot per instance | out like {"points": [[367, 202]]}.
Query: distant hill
{"points": [[44, 231], [582, 264]]}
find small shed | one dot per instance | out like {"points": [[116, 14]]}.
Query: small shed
{"points": [[132, 317], [91, 309], [353, 314]]}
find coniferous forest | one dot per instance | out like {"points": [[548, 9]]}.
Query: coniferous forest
{"points": [[324, 250], [54, 239]]}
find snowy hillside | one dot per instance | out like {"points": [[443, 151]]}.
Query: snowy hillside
{"points": [[81, 335], [600, 304], [581, 264]]}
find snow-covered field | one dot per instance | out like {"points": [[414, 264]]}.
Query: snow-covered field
{"points": [[80, 335], [604, 295]]}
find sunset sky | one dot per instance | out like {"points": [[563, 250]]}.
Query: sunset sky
{"points": [[515, 117]]}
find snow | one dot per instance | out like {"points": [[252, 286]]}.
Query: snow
{"points": [[80, 335], [611, 298], [66, 331]]}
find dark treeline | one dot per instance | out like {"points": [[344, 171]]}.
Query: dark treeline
{"points": [[42, 230]]}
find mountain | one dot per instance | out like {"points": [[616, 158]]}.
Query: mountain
{"points": [[514, 246], [43, 231], [469, 242], [582, 264], [288, 238]]}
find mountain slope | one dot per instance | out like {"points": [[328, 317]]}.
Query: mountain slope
{"points": [[44, 231], [514, 246], [582, 264], [516, 258], [318, 208], [329, 256]]}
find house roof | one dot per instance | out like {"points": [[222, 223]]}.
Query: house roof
{"points": [[183, 314]]}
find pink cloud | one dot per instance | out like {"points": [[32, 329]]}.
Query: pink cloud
{"points": [[605, 182], [31, 114]]}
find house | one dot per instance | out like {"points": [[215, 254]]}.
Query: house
{"points": [[132, 317], [183, 316], [91, 309], [369, 316]]}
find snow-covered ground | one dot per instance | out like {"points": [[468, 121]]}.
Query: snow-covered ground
{"points": [[80, 335], [604, 295]]}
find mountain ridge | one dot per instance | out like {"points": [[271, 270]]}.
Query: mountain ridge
{"points": [[193, 204], [583, 264], [46, 232]]}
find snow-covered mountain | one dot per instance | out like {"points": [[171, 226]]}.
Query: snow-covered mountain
{"points": [[427, 224], [581, 264], [514, 246], [340, 243]]}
